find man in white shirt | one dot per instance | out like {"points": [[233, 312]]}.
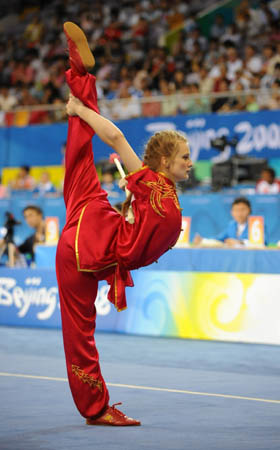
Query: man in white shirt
{"points": [[234, 63], [268, 184], [7, 100], [253, 62]]}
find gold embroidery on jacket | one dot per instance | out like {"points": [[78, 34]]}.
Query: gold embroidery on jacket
{"points": [[159, 190], [86, 378], [136, 171]]}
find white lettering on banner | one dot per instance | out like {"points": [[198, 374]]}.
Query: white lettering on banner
{"points": [[35, 281], [153, 127], [251, 138], [34, 295], [202, 140], [199, 122], [257, 138], [102, 304], [273, 135], [244, 145], [6, 298], [23, 298]]}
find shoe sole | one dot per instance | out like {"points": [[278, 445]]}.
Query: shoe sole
{"points": [[111, 425], [79, 38]]}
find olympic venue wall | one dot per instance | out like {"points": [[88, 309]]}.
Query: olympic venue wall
{"points": [[258, 135]]}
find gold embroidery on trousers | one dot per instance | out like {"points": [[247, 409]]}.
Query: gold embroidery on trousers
{"points": [[159, 190], [86, 378]]}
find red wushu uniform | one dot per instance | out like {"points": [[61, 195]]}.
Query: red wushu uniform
{"points": [[97, 243], [122, 246]]}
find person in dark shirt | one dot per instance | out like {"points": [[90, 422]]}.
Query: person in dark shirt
{"points": [[33, 216]]}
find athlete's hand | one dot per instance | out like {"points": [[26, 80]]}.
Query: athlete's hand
{"points": [[123, 183], [73, 105]]}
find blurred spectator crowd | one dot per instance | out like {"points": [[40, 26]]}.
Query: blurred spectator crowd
{"points": [[151, 57], [43, 185], [25, 182]]}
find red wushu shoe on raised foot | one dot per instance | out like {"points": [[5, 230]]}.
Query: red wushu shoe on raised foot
{"points": [[114, 417], [80, 56]]}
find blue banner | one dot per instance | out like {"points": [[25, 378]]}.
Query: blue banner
{"points": [[258, 135], [223, 306], [29, 297]]}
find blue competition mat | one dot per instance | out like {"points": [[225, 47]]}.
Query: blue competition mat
{"points": [[188, 394]]}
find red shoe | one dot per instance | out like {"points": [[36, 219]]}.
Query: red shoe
{"points": [[112, 416], [80, 56]]}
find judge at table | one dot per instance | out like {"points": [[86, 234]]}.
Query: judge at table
{"points": [[236, 232]]}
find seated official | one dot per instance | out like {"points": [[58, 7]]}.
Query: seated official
{"points": [[236, 232]]}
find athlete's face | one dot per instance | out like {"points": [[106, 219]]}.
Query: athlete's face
{"points": [[180, 166]]}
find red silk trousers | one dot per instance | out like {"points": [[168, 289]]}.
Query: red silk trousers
{"points": [[77, 290]]}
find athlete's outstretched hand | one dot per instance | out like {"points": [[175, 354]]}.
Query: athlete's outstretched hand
{"points": [[72, 104]]}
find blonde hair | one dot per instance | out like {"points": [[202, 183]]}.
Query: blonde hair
{"points": [[163, 143]]}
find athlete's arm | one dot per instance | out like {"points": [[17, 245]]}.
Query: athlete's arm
{"points": [[107, 131]]}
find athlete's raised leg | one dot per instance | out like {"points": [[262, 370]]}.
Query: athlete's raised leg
{"points": [[81, 182]]}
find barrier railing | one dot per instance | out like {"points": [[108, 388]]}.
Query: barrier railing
{"points": [[153, 106]]}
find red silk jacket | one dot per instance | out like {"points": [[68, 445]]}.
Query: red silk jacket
{"points": [[107, 245]]}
